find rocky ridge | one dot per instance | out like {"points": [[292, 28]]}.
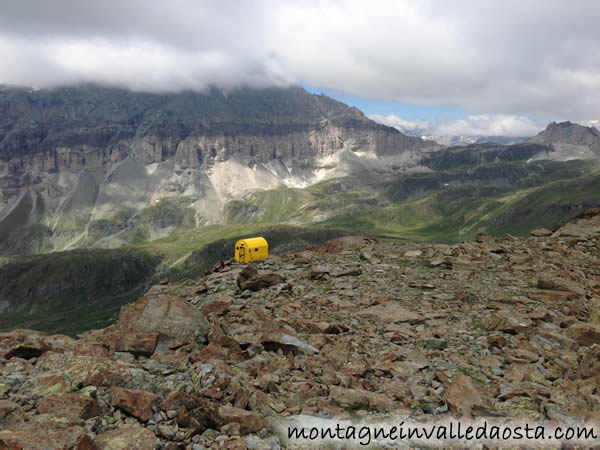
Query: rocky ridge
{"points": [[504, 327], [569, 141]]}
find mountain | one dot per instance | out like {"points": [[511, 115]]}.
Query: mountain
{"points": [[558, 142], [467, 140], [427, 131], [97, 166], [570, 141]]}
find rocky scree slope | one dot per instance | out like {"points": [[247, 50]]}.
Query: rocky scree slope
{"points": [[500, 327], [83, 166]]}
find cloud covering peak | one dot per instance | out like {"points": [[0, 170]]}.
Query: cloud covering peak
{"points": [[510, 57]]}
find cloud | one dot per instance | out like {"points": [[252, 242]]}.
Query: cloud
{"points": [[491, 125], [470, 125], [590, 123], [406, 126], [511, 57]]}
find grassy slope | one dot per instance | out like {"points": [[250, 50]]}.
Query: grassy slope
{"points": [[70, 292], [460, 213], [548, 205]]}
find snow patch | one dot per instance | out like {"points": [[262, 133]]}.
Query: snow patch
{"points": [[366, 155], [151, 168], [231, 180]]}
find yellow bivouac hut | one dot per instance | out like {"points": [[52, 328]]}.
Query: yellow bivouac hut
{"points": [[251, 249]]}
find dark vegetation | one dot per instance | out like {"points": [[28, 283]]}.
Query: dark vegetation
{"points": [[74, 291]]}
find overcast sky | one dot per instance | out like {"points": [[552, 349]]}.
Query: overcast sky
{"points": [[500, 65]]}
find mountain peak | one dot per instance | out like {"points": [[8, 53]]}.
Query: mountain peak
{"points": [[567, 133], [568, 125], [570, 140], [564, 124]]}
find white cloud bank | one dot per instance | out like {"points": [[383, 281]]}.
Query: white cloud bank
{"points": [[470, 125], [507, 58]]}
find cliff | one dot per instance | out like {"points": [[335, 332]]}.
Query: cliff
{"points": [[79, 165], [90, 126]]}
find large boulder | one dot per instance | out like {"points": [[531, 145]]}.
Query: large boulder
{"points": [[589, 365], [136, 342], [356, 398], [126, 437], [24, 344], [585, 333], [250, 422], [462, 396], [81, 371], [71, 405], [44, 431], [10, 414], [138, 403], [249, 278], [171, 317], [47, 383]]}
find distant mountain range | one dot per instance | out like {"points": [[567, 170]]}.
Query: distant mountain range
{"points": [[551, 135], [450, 141]]}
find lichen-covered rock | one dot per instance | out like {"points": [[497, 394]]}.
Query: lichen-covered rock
{"points": [[170, 316], [585, 333], [24, 344], [354, 398], [462, 396], [41, 432], [250, 422], [70, 405], [127, 437], [136, 342], [11, 414], [138, 403]]}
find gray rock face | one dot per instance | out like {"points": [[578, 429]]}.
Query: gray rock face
{"points": [[169, 316], [90, 127], [569, 140], [569, 133], [79, 164]]}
